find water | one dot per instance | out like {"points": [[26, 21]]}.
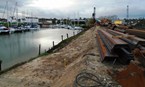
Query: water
{"points": [[19, 47]]}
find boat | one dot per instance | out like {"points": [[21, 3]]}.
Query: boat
{"points": [[4, 29], [77, 28], [33, 26]]}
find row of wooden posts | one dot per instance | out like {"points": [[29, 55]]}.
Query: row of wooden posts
{"points": [[40, 47], [53, 44]]}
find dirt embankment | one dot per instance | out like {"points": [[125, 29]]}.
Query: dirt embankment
{"points": [[59, 69]]}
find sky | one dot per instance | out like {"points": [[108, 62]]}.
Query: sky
{"points": [[73, 8]]}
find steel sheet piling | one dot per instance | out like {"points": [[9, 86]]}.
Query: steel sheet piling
{"points": [[116, 46]]}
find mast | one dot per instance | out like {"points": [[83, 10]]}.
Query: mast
{"points": [[31, 18], [127, 12], [78, 19], [5, 10], [17, 13], [7, 14], [94, 14], [127, 15]]}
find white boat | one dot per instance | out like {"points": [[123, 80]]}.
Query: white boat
{"points": [[34, 27], [78, 28], [11, 30], [69, 27], [4, 29]]}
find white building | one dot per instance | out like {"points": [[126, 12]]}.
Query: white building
{"points": [[29, 20]]}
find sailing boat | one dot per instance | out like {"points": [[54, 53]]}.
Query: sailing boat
{"points": [[5, 29], [34, 23], [14, 20]]}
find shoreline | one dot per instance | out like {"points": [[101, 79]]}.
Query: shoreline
{"points": [[52, 50], [60, 68]]}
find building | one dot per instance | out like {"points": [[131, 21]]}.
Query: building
{"points": [[29, 20], [78, 22], [44, 22], [3, 20]]}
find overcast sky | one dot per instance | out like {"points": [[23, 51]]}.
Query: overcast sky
{"points": [[75, 8]]}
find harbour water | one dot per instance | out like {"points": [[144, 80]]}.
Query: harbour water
{"points": [[19, 47]]}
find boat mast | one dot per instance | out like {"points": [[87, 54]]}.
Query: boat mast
{"points": [[78, 19], [7, 14], [17, 13], [5, 10]]}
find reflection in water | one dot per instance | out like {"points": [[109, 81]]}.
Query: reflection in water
{"points": [[19, 47]]}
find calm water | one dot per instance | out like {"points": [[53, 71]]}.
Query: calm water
{"points": [[19, 47]]}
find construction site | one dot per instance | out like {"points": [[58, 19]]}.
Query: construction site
{"points": [[102, 56], [105, 55]]}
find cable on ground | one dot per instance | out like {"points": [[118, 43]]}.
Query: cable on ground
{"points": [[85, 79]]}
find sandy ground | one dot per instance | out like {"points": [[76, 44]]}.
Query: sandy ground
{"points": [[59, 69]]}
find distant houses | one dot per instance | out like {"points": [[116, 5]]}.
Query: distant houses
{"points": [[29, 20], [3, 20], [44, 22]]}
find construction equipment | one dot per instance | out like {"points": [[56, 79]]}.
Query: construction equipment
{"points": [[105, 21]]}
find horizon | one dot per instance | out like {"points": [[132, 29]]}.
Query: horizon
{"points": [[74, 8]]}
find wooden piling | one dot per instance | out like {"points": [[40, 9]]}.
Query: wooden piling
{"points": [[53, 43], [73, 33], [62, 37], [67, 35], [77, 31], [39, 49], [0, 65]]}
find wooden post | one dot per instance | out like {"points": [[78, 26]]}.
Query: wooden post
{"points": [[67, 35], [53, 43], [62, 37], [73, 33], [0, 65], [77, 31], [39, 49]]}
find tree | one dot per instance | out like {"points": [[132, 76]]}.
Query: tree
{"points": [[58, 21], [90, 22], [54, 21]]}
